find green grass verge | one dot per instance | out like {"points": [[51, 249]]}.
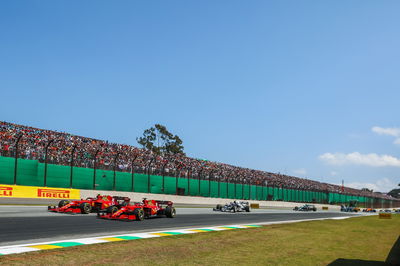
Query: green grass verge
{"points": [[304, 243]]}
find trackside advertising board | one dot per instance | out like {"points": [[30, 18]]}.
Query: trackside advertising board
{"points": [[10, 191]]}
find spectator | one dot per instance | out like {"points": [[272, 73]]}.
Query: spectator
{"points": [[85, 152]]}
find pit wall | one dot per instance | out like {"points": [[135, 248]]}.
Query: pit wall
{"points": [[32, 173]]}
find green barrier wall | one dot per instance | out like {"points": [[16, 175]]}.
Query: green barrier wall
{"points": [[31, 173], [7, 170]]}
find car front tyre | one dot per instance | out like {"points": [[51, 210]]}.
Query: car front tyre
{"points": [[112, 209], [62, 203], [139, 213], [86, 208]]}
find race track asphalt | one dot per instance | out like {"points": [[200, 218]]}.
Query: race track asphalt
{"points": [[39, 225]]}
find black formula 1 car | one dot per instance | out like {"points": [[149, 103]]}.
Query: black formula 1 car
{"points": [[305, 208], [236, 206]]}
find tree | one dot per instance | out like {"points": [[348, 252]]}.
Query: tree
{"points": [[159, 140], [367, 190], [395, 193]]}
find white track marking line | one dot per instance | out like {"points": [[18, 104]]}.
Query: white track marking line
{"points": [[16, 250]]}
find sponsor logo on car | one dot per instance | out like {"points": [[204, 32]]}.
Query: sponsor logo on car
{"points": [[6, 191], [53, 193]]}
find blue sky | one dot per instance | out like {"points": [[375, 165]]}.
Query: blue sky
{"points": [[306, 88]]}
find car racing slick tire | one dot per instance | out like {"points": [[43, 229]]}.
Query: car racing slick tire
{"points": [[218, 207], [62, 203], [247, 208], [170, 212], [86, 208], [139, 213], [112, 209]]}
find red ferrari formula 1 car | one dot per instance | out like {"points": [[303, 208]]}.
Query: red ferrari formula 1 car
{"points": [[90, 204], [139, 211]]}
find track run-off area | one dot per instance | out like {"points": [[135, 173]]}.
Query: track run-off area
{"points": [[34, 224]]}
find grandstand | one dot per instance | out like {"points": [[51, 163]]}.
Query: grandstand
{"points": [[78, 156]]}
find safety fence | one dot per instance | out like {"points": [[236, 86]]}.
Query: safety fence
{"points": [[34, 173]]}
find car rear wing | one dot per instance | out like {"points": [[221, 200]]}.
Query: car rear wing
{"points": [[164, 202], [121, 198]]}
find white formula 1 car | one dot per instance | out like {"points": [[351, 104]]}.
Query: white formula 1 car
{"points": [[236, 206]]}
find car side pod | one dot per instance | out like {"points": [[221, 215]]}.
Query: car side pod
{"points": [[128, 213]]}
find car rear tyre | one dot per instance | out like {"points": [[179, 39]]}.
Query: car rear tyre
{"points": [[170, 212], [62, 203], [247, 209], [86, 208]]}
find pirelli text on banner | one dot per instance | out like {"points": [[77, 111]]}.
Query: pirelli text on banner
{"points": [[54, 193], [11, 191]]}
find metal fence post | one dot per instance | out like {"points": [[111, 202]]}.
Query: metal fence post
{"points": [[16, 158], [235, 182], [219, 184], [262, 190], [163, 175], [45, 162], [188, 180], [209, 183], [148, 174], [72, 165], [94, 169], [243, 189], [133, 172], [249, 189], [228, 180], [199, 177], [176, 183], [115, 166]]}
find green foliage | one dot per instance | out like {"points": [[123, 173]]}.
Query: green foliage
{"points": [[159, 140], [395, 193]]}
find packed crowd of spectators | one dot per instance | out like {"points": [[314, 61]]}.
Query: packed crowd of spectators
{"points": [[66, 149]]}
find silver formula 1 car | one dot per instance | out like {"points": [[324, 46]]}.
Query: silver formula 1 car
{"points": [[235, 206], [305, 208]]}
